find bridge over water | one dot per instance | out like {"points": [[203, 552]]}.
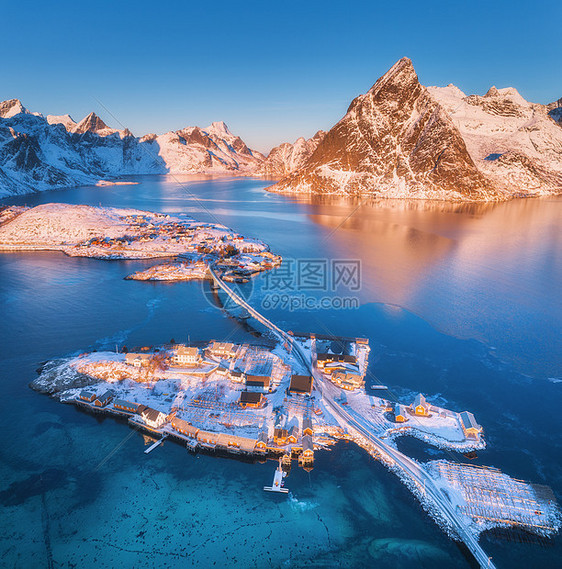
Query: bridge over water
{"points": [[359, 428]]}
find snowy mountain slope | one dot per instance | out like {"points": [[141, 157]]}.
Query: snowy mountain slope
{"points": [[38, 153], [395, 141], [213, 149], [36, 156], [66, 120], [514, 143], [287, 157]]}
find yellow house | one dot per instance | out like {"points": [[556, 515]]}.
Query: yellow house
{"points": [[470, 427], [400, 415], [420, 405]]}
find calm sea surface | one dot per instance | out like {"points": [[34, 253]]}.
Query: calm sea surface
{"points": [[461, 302]]}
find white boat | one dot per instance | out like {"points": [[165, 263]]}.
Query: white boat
{"points": [[379, 387], [277, 485]]}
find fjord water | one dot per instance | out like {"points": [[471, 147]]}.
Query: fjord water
{"points": [[459, 301]]}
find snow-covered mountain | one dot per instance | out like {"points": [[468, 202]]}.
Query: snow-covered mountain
{"points": [[514, 143], [287, 157], [11, 107], [403, 140], [40, 153], [213, 149], [66, 120]]}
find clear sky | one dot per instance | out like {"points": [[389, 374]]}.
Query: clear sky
{"points": [[271, 71]]}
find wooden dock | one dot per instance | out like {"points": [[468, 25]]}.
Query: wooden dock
{"points": [[156, 444]]}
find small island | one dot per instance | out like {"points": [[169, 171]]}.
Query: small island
{"points": [[259, 402], [111, 233]]}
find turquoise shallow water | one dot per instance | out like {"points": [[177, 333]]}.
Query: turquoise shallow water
{"points": [[77, 491]]}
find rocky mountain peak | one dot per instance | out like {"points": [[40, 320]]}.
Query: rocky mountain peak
{"points": [[219, 129], [11, 108], [91, 123], [555, 111], [394, 141], [502, 102], [66, 120], [401, 72]]}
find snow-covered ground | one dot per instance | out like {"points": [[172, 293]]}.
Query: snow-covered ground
{"points": [[110, 233], [172, 272]]}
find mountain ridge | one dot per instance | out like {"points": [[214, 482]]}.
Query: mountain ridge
{"points": [[398, 140], [41, 153]]}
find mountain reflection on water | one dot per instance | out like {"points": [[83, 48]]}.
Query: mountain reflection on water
{"points": [[489, 271]]}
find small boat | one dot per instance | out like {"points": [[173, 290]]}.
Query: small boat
{"points": [[277, 485], [379, 387]]}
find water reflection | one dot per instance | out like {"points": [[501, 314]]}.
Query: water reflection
{"points": [[487, 271]]}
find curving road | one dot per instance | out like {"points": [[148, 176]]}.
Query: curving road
{"points": [[357, 424]]}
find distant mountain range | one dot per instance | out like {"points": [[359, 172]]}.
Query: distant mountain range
{"points": [[399, 140], [40, 153], [287, 157]]}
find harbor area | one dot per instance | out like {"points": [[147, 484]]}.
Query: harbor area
{"points": [[240, 399], [260, 401], [249, 399]]}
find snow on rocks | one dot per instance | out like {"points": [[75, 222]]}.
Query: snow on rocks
{"points": [[512, 141]]}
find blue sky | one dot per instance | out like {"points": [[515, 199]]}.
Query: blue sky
{"points": [[271, 71]]}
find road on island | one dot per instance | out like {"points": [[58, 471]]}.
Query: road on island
{"points": [[358, 426]]}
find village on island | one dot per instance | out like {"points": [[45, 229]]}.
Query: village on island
{"points": [[252, 399], [258, 402], [121, 234]]}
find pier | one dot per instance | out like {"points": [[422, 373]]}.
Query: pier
{"points": [[156, 444], [277, 485]]}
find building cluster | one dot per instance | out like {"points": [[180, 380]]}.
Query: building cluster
{"points": [[252, 377], [256, 369], [295, 438], [242, 267], [154, 420], [421, 408], [240, 258], [337, 360]]}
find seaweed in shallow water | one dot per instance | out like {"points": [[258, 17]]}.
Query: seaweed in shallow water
{"points": [[19, 492]]}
